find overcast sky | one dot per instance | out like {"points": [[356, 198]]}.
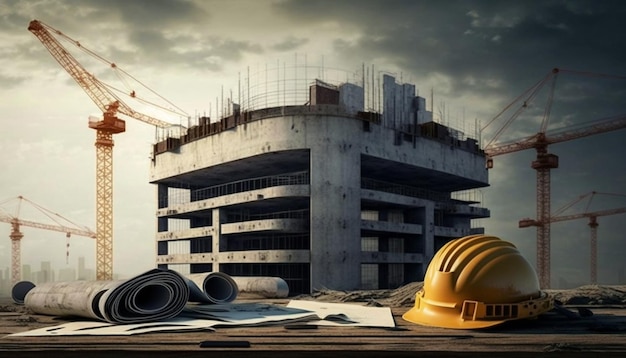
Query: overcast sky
{"points": [[474, 56]]}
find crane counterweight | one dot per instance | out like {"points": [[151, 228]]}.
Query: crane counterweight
{"points": [[108, 124], [545, 161]]}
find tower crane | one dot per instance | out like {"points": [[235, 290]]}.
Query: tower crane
{"points": [[111, 105], [593, 225], [546, 161], [16, 235]]}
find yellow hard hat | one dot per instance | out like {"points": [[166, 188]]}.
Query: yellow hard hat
{"points": [[478, 281]]}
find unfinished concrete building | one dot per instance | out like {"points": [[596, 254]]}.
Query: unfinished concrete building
{"points": [[324, 194]]}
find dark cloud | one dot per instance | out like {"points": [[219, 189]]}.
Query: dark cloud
{"points": [[229, 49], [290, 43], [137, 33], [207, 53], [151, 15], [508, 40], [148, 22]]}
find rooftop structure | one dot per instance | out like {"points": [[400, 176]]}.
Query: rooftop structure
{"points": [[352, 187]]}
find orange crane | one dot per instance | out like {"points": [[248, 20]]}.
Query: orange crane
{"points": [[545, 161], [593, 225], [16, 235], [110, 103]]}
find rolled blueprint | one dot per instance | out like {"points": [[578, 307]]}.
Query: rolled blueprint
{"points": [[217, 287], [266, 287], [20, 289], [152, 296]]}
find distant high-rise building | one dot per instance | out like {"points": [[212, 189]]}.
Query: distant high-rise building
{"points": [[46, 273], [27, 274], [81, 269], [5, 282]]}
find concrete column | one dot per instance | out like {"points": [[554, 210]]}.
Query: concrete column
{"points": [[160, 247], [335, 207], [218, 246], [162, 199], [429, 234], [162, 224]]}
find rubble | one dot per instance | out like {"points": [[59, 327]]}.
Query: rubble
{"points": [[591, 295], [404, 296], [399, 297]]}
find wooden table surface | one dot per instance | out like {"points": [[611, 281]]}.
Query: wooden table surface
{"points": [[601, 335]]}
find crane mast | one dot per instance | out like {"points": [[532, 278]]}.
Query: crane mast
{"points": [[109, 125], [545, 161], [543, 164], [593, 261], [111, 105], [16, 252], [16, 236], [593, 226]]}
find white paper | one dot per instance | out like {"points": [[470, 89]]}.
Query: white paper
{"points": [[209, 316], [331, 314]]}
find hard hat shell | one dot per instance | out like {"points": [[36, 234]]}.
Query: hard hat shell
{"points": [[478, 281]]}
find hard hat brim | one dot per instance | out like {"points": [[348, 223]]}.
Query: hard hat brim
{"points": [[452, 321], [452, 316]]}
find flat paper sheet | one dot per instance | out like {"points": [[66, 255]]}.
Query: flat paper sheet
{"points": [[206, 317], [355, 315]]}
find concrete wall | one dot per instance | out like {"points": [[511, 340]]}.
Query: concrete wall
{"points": [[399, 106], [425, 153], [300, 132], [351, 97]]}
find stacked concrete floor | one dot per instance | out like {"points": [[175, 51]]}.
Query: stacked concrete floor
{"points": [[323, 195]]}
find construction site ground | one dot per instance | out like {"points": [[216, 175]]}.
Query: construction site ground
{"points": [[591, 322]]}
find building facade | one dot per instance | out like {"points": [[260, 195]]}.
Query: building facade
{"points": [[325, 194]]}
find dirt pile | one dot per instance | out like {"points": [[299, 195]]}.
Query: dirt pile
{"points": [[591, 295], [405, 295], [402, 296]]}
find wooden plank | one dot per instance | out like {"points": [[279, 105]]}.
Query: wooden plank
{"points": [[554, 334]]}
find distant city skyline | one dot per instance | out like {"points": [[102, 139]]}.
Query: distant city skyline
{"points": [[46, 272]]}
